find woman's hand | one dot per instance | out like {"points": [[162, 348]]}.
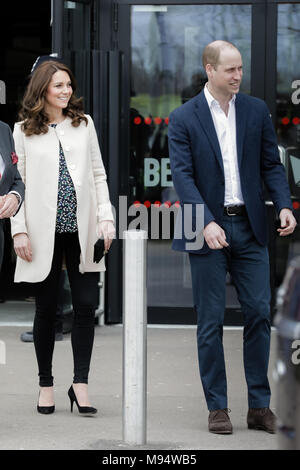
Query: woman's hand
{"points": [[106, 230], [22, 246]]}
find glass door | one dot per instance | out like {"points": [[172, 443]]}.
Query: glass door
{"points": [[135, 61], [287, 121], [162, 47], [72, 41]]}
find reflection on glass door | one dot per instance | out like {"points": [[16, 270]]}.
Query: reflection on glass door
{"points": [[166, 71], [288, 75], [288, 121], [77, 45]]}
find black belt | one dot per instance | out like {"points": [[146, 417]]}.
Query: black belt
{"points": [[235, 210]]}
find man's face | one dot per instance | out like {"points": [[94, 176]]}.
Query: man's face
{"points": [[226, 78]]}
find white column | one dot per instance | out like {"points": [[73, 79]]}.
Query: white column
{"points": [[134, 337]]}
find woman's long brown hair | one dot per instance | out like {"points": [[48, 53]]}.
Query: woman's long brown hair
{"points": [[33, 114]]}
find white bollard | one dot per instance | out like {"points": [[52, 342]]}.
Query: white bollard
{"points": [[134, 337]]}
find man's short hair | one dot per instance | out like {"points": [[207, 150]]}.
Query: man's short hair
{"points": [[211, 53]]}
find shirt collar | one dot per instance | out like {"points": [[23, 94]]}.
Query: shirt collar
{"points": [[212, 101]]}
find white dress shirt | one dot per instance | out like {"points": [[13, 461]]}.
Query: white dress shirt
{"points": [[2, 166], [226, 132]]}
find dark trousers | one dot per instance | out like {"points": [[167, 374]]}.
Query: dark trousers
{"points": [[248, 264], [83, 288], [1, 242]]}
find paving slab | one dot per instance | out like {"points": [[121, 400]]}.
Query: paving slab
{"points": [[176, 409]]}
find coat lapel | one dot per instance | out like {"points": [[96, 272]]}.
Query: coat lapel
{"points": [[241, 118], [204, 116]]}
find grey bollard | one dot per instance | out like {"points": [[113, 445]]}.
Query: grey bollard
{"points": [[134, 337], [287, 368]]}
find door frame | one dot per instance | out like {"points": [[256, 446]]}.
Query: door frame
{"points": [[111, 104]]}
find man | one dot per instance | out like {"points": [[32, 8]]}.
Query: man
{"points": [[11, 184], [222, 149]]}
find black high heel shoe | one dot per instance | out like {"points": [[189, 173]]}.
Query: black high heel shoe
{"points": [[83, 410], [45, 410]]}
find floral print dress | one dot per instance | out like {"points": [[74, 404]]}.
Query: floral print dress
{"points": [[66, 217]]}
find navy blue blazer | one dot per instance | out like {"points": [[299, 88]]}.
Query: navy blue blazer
{"points": [[197, 165], [11, 179]]}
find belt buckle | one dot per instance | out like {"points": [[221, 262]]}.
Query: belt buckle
{"points": [[228, 213]]}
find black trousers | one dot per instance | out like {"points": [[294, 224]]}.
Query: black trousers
{"points": [[83, 290], [1, 241]]}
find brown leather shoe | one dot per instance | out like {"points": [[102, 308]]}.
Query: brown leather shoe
{"points": [[262, 419], [219, 422]]}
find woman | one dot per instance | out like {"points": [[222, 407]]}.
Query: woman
{"points": [[66, 209]]}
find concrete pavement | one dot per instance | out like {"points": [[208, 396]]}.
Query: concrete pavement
{"points": [[176, 409]]}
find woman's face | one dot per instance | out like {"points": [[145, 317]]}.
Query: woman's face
{"points": [[59, 91]]}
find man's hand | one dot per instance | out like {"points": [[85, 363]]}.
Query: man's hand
{"points": [[215, 236], [106, 230], [8, 205], [288, 222], [22, 246]]}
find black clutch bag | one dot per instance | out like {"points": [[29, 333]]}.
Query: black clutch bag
{"points": [[99, 250]]}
